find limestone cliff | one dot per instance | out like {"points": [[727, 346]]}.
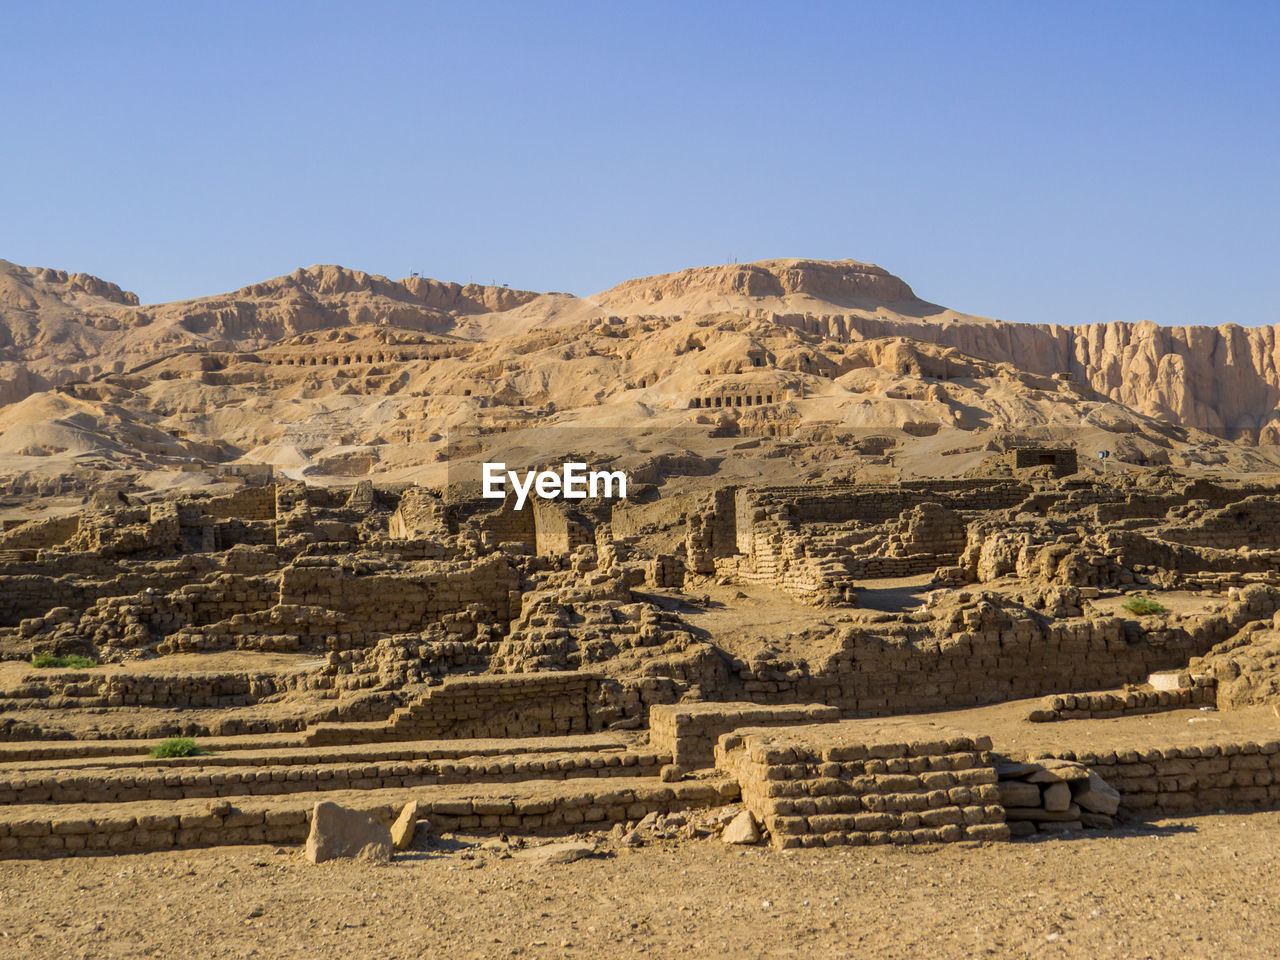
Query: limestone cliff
{"points": [[1225, 379]]}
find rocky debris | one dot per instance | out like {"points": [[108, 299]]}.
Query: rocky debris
{"points": [[339, 832], [1055, 796], [742, 829]]}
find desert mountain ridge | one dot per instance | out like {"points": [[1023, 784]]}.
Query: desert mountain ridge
{"points": [[330, 371]]}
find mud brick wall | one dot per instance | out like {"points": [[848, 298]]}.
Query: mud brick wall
{"points": [[689, 731], [871, 675], [251, 503], [555, 531], [142, 618], [711, 529], [871, 568], [35, 534], [88, 688], [1135, 507], [229, 595], [630, 519], [60, 563], [582, 809], [514, 705], [26, 598], [775, 548], [1062, 459], [404, 600], [32, 594], [420, 513], [853, 783], [773, 552], [15, 728], [1252, 522], [507, 524], [233, 532], [1136, 549], [1173, 780], [722, 522], [876, 504]]}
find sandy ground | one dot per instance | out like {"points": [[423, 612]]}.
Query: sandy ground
{"points": [[1200, 887]]}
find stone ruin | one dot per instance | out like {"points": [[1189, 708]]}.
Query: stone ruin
{"points": [[551, 670]]}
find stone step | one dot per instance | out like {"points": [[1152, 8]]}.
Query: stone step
{"points": [[123, 784], [535, 807]]}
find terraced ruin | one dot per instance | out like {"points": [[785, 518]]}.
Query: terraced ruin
{"points": [[1034, 650]]}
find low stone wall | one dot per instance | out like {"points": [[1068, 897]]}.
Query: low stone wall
{"points": [[1174, 780], [1096, 706], [875, 504], [1252, 522], [133, 784], [81, 689], [856, 783], [71, 829], [16, 729], [914, 565], [688, 732]]}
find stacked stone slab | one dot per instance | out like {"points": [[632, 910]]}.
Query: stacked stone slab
{"points": [[859, 782], [1054, 796]]}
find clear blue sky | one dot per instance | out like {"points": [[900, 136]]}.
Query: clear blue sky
{"points": [[1055, 162]]}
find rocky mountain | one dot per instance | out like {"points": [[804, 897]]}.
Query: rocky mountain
{"points": [[340, 372]]}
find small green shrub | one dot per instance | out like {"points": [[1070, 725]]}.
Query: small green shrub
{"points": [[1144, 606], [176, 747], [46, 660]]}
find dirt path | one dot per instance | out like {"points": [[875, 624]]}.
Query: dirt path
{"points": [[1200, 887]]}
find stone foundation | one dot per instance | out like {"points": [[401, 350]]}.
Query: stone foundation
{"points": [[859, 782]]}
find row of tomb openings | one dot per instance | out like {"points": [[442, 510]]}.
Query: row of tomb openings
{"points": [[737, 401], [337, 361]]}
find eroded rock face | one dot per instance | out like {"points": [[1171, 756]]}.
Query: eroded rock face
{"points": [[1224, 380]]}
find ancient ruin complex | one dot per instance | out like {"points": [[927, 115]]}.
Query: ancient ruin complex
{"points": [[878, 577], [546, 671]]}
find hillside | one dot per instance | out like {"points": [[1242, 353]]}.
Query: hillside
{"points": [[337, 373]]}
